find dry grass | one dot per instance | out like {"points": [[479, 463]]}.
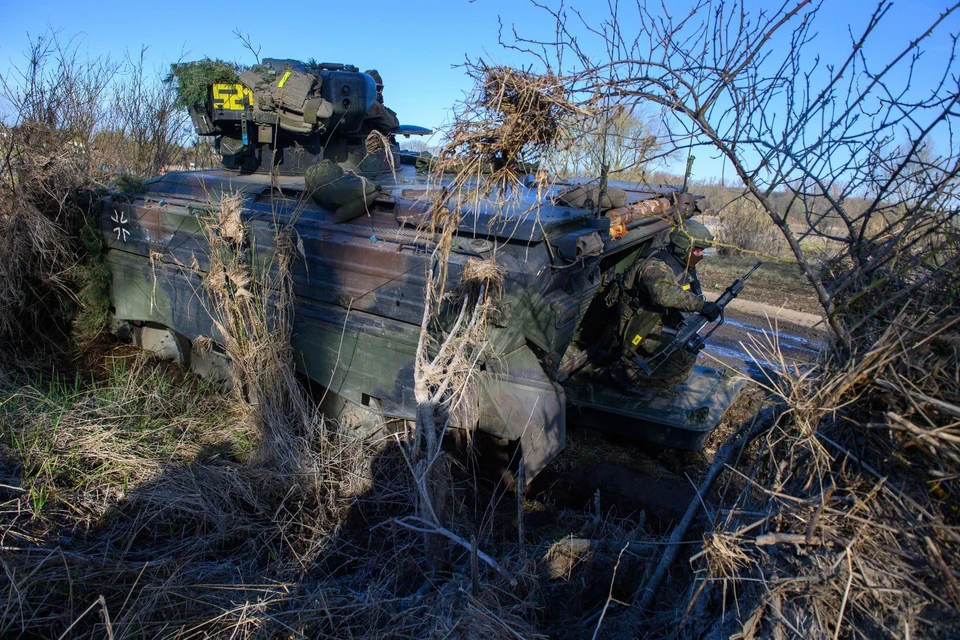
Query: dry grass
{"points": [[129, 508], [250, 299], [40, 177], [843, 521], [512, 119]]}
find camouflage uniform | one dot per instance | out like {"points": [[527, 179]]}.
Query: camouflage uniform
{"points": [[664, 288]]}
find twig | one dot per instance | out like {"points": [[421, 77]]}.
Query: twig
{"points": [[945, 569], [606, 605], [474, 567], [420, 525], [846, 594], [946, 407], [520, 532], [902, 498], [932, 434], [769, 539], [106, 618], [738, 440], [812, 525]]}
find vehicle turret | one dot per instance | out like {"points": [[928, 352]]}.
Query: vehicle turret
{"points": [[286, 115]]}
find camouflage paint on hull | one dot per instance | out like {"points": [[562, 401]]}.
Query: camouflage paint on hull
{"points": [[359, 288]]}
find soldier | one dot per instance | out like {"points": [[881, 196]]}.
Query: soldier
{"points": [[379, 116], [665, 285]]}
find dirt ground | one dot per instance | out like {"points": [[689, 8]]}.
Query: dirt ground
{"points": [[777, 285], [775, 323]]}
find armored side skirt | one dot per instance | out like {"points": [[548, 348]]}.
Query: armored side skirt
{"points": [[364, 358]]}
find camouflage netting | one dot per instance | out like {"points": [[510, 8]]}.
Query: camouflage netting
{"points": [[193, 79]]}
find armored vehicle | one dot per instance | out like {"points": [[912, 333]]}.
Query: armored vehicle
{"points": [[359, 279]]}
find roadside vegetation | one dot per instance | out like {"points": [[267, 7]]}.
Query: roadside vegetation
{"points": [[136, 500]]}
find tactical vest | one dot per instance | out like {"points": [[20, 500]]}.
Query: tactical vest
{"points": [[642, 317], [686, 277]]}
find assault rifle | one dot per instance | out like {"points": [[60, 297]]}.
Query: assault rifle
{"points": [[687, 335]]}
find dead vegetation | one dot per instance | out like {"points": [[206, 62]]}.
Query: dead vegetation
{"points": [[44, 171], [510, 118], [840, 519], [249, 297], [842, 522], [507, 125], [136, 502], [71, 126]]}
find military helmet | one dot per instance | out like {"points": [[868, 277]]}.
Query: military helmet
{"points": [[688, 236], [373, 73]]}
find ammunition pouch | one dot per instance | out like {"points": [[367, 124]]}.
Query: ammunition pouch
{"points": [[294, 96], [638, 329], [236, 155], [201, 121]]}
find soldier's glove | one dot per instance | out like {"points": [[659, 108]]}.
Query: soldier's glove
{"points": [[710, 311]]}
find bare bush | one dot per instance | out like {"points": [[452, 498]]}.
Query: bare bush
{"points": [[620, 141], [841, 521], [72, 124], [55, 104], [857, 129], [854, 537], [742, 225], [144, 129], [745, 228]]}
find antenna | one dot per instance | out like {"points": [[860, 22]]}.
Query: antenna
{"points": [[604, 165], [686, 174]]}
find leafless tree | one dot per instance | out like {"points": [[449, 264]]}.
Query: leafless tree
{"points": [[145, 130], [622, 141], [863, 146]]}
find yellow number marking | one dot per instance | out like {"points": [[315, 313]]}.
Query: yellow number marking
{"points": [[230, 97]]}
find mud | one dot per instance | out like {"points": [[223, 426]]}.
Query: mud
{"points": [[620, 491], [628, 478], [764, 346]]}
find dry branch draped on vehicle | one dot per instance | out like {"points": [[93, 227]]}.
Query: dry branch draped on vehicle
{"points": [[551, 333]]}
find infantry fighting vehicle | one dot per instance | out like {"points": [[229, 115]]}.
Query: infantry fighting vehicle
{"points": [[285, 136]]}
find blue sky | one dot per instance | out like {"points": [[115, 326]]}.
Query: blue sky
{"points": [[414, 44]]}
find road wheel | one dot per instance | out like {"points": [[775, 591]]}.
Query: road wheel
{"points": [[163, 342]]}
